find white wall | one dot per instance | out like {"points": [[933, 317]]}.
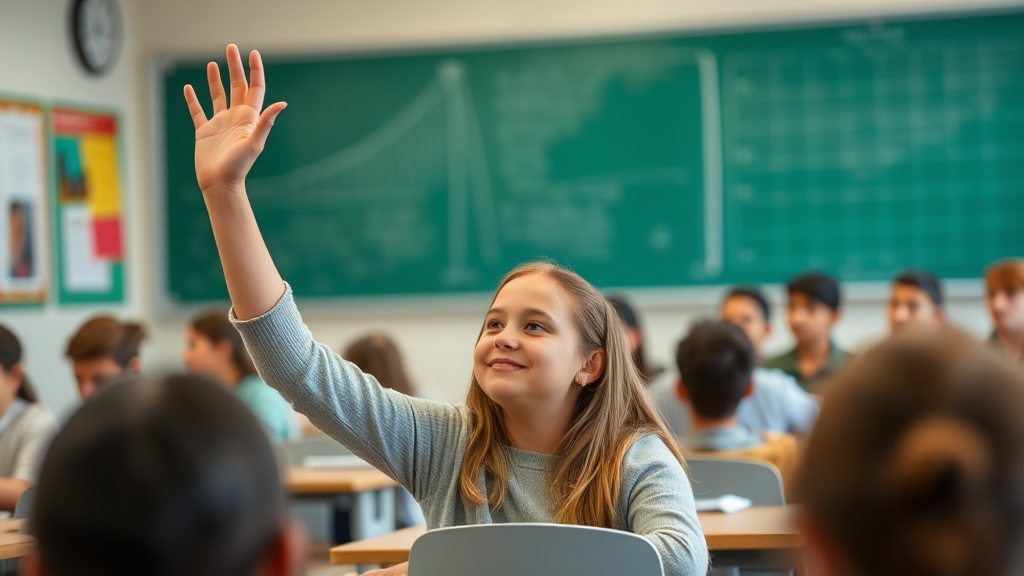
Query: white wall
{"points": [[437, 342]]}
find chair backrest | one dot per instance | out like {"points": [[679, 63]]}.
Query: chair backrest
{"points": [[715, 477], [532, 550], [298, 450], [24, 505]]}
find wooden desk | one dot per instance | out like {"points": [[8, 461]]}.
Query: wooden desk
{"points": [[758, 528], [305, 481], [14, 544]]}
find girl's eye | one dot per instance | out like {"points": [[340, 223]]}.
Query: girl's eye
{"points": [[535, 326], [493, 324]]}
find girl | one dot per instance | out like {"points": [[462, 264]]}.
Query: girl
{"points": [[557, 426], [215, 349], [26, 426], [916, 465]]}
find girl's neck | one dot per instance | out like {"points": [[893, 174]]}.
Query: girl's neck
{"points": [[1012, 344], [533, 432], [231, 377]]}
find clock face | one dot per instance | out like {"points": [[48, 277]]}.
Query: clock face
{"points": [[96, 27]]}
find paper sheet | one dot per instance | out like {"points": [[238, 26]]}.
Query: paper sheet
{"points": [[83, 270], [22, 201]]}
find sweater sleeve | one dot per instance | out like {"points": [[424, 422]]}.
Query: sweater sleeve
{"points": [[402, 436], [659, 506]]}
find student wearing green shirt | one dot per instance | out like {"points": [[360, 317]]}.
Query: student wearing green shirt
{"points": [[811, 310], [215, 349]]}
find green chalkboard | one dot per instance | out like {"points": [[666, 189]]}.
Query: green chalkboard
{"points": [[857, 149]]}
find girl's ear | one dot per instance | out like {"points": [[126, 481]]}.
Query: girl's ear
{"points": [[592, 369], [287, 553], [31, 565]]}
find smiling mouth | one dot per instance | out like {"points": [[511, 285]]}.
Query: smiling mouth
{"points": [[504, 364]]}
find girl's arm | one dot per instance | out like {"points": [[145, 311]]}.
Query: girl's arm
{"points": [[227, 144]]}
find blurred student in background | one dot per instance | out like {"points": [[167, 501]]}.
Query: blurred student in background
{"points": [[811, 311], [378, 356], [635, 335], [935, 485], [104, 349], [1004, 283], [26, 426], [915, 300], [162, 478], [716, 361], [215, 349], [776, 403]]}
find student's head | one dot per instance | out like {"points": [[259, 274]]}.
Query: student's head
{"points": [[214, 348], [746, 307], [716, 361], [634, 334], [1004, 283], [165, 477], [915, 299], [13, 381], [553, 349], [104, 349], [916, 465], [812, 306], [378, 356]]}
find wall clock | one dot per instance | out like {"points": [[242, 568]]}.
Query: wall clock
{"points": [[96, 32]]}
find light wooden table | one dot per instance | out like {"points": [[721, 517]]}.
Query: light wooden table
{"points": [[14, 544], [757, 528], [306, 481]]}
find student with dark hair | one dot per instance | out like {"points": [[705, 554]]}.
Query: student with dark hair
{"points": [[104, 349], [635, 335], [935, 483], [915, 300], [776, 403], [26, 426], [1004, 288], [716, 362], [811, 310], [162, 478], [215, 349]]}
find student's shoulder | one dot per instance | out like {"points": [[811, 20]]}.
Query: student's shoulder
{"points": [[254, 390], [38, 418], [649, 453], [783, 362]]}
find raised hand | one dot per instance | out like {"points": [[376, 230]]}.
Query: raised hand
{"points": [[228, 143]]}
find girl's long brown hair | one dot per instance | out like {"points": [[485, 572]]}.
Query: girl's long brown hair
{"points": [[611, 414]]}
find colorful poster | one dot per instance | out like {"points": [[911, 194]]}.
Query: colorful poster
{"points": [[23, 251], [87, 167]]}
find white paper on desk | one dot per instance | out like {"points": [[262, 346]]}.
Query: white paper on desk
{"points": [[83, 271], [335, 461], [22, 201], [729, 503]]}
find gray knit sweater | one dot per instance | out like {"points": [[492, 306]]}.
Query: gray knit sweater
{"points": [[421, 444]]}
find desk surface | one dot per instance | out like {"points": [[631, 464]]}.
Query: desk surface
{"points": [[758, 528], [336, 480], [14, 544]]}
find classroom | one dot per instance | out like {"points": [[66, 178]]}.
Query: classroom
{"points": [[490, 134]]}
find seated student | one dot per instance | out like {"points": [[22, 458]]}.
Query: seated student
{"points": [[811, 310], [915, 300], [162, 478], [716, 361], [104, 349], [215, 350], [1004, 283], [635, 335], [935, 483], [26, 426], [776, 404]]}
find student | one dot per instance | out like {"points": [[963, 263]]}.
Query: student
{"points": [[162, 478], [716, 361], [104, 349], [915, 300], [26, 426], [557, 426], [215, 349], [635, 335], [1004, 283], [776, 403], [935, 483], [811, 310]]}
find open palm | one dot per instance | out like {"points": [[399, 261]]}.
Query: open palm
{"points": [[228, 143]]}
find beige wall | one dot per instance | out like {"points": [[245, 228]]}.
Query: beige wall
{"points": [[437, 340]]}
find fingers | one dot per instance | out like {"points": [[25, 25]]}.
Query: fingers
{"points": [[194, 107], [259, 134], [239, 87], [257, 81], [220, 100]]}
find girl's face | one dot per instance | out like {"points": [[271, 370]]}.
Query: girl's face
{"points": [[202, 356], [528, 354]]}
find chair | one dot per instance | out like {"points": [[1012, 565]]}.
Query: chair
{"points": [[24, 505], [715, 477], [532, 550]]}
